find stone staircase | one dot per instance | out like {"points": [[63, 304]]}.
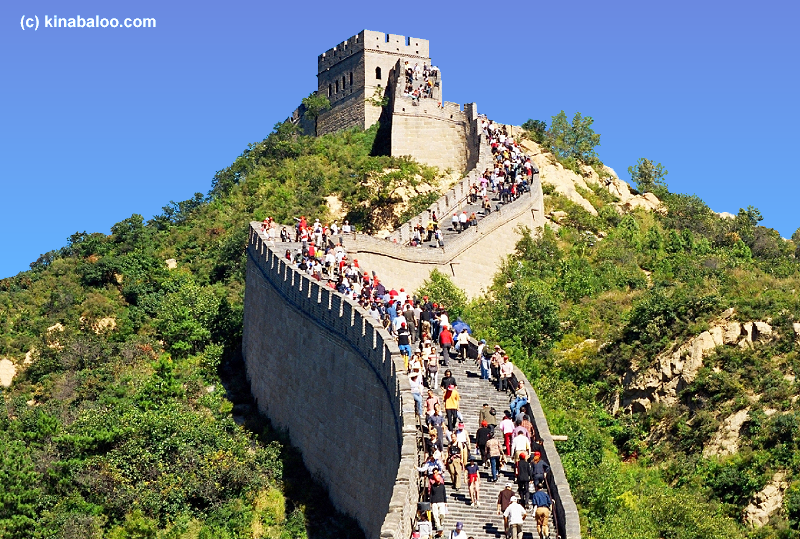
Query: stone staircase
{"points": [[482, 521]]}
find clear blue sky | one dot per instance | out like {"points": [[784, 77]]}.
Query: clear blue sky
{"points": [[99, 124]]}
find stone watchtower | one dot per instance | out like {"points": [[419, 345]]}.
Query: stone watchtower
{"points": [[349, 74]]}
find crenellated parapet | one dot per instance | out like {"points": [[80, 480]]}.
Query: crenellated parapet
{"points": [[323, 370]]}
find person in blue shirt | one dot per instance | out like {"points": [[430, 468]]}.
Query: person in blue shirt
{"points": [[541, 504]]}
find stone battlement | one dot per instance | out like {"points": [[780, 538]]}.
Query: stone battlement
{"points": [[411, 47], [314, 358]]}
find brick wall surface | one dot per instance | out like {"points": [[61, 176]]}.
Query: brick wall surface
{"points": [[320, 368]]}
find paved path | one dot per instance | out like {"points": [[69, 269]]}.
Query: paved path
{"points": [[482, 521]]}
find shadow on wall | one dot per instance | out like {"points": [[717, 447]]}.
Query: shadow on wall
{"points": [[308, 505]]}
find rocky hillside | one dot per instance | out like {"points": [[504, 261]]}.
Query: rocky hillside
{"points": [[664, 341]]}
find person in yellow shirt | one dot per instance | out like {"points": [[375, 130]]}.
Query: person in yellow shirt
{"points": [[452, 401]]}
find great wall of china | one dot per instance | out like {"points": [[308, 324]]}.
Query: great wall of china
{"points": [[325, 371]]}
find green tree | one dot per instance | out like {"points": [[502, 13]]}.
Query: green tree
{"points": [[558, 136], [573, 141], [649, 176], [653, 239], [186, 317], [796, 240], [536, 130], [18, 490], [440, 289], [630, 231], [136, 526], [315, 105], [530, 315], [582, 139]]}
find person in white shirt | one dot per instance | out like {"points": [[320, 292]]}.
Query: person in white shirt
{"points": [[515, 515], [462, 219], [334, 229], [507, 428], [346, 229], [459, 532], [444, 320], [520, 445]]}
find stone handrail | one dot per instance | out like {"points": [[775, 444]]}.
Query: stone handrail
{"points": [[566, 514], [328, 310]]}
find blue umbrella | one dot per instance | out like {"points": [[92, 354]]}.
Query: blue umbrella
{"points": [[459, 324]]}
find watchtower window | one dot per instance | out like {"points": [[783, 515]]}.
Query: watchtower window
{"points": [[387, 38], [343, 83], [351, 78], [408, 41], [337, 86], [330, 90], [378, 73]]}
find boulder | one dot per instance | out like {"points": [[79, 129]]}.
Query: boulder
{"points": [[747, 335], [558, 216], [725, 215], [766, 502], [796, 327], [648, 201], [553, 173], [762, 332], [171, 263], [701, 345], [7, 372], [29, 357], [733, 330]]}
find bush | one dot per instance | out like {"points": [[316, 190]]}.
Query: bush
{"points": [[440, 289]]}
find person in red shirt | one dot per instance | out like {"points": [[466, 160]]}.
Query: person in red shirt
{"points": [[446, 341]]}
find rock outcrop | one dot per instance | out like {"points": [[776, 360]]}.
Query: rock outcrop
{"points": [[553, 173], [7, 372], [567, 183], [726, 440], [99, 325], [677, 367], [766, 502]]}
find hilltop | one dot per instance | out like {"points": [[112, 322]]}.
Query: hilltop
{"points": [[660, 336]]}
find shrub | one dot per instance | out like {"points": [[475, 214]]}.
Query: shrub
{"points": [[440, 289]]}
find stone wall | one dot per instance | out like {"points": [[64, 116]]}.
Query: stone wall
{"points": [[436, 133], [471, 259], [348, 112], [323, 370], [479, 158]]}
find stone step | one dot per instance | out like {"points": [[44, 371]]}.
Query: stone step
{"points": [[482, 521]]}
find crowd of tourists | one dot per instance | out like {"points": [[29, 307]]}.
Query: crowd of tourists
{"points": [[429, 341], [510, 442], [509, 177], [512, 171], [419, 81]]}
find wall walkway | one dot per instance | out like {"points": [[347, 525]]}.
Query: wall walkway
{"points": [[324, 370]]}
